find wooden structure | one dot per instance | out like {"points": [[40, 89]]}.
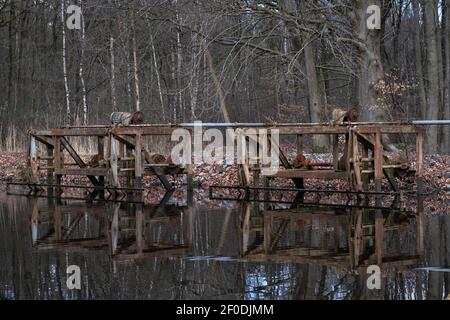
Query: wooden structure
{"points": [[121, 152], [362, 158]]}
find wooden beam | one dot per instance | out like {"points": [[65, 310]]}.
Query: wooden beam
{"points": [[145, 131], [125, 140], [89, 172], [306, 174], [42, 139], [367, 141], [82, 131], [319, 129], [161, 175], [83, 168], [159, 172], [401, 128]]}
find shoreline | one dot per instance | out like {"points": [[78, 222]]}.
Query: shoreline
{"points": [[436, 178]]}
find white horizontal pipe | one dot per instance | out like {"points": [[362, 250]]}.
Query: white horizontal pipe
{"points": [[432, 122]]}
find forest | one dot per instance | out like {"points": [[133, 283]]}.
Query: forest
{"points": [[222, 61]]}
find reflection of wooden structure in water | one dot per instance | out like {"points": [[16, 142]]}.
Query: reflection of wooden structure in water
{"points": [[346, 240], [124, 235], [128, 238], [51, 229]]}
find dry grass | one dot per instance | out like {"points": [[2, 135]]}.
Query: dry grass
{"points": [[13, 141]]}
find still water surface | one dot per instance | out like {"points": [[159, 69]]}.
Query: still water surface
{"points": [[192, 252]]}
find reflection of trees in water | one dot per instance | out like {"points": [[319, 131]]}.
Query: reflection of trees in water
{"points": [[27, 274], [438, 245]]}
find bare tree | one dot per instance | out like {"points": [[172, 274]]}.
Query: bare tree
{"points": [[433, 94], [66, 82]]}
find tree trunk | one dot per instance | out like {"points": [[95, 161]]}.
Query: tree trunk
{"points": [[418, 59], [158, 79], [81, 72], [135, 71], [194, 77], [218, 86], [112, 75], [446, 129], [370, 65], [179, 75], [315, 97], [66, 84], [432, 75]]}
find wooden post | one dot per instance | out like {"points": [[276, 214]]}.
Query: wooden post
{"points": [[356, 163], [335, 138], [299, 144], [114, 163], [101, 157], [378, 163], [365, 155], [107, 148], [346, 155], [57, 162], [50, 170], [138, 160], [379, 221], [121, 149], [33, 160], [266, 182], [245, 174], [189, 178], [419, 165], [256, 175], [129, 173]]}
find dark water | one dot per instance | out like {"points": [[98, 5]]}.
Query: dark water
{"points": [[189, 252]]}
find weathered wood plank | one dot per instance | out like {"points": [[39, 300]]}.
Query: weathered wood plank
{"points": [[306, 174], [83, 172]]}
